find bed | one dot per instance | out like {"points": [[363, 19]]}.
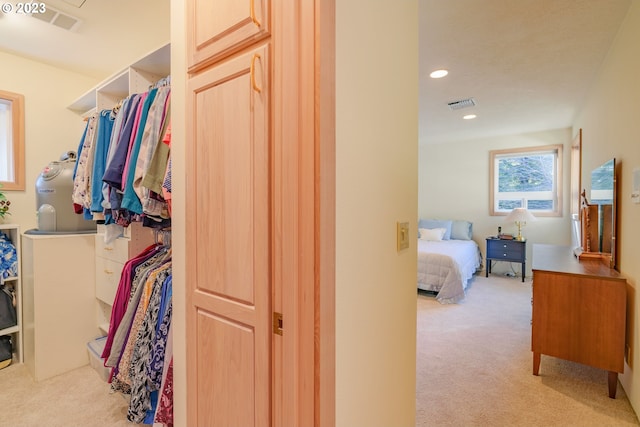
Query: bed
{"points": [[448, 258]]}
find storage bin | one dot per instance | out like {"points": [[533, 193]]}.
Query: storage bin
{"points": [[95, 349]]}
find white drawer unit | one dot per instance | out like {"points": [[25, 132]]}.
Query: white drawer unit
{"points": [[107, 278], [110, 260], [117, 250]]}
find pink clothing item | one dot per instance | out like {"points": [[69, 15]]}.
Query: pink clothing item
{"points": [[134, 133], [164, 413], [166, 186], [167, 136]]}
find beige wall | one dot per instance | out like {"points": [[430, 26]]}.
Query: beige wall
{"points": [[376, 180], [454, 184], [611, 128], [50, 129]]}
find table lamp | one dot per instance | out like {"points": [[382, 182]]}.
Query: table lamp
{"points": [[520, 216]]}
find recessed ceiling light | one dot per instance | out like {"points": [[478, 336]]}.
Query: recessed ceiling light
{"points": [[437, 74], [469, 116]]}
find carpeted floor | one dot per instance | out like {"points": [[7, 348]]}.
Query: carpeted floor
{"points": [[474, 367], [79, 398]]}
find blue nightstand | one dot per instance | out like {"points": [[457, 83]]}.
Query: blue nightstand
{"points": [[506, 250]]}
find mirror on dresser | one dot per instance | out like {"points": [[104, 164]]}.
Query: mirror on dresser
{"points": [[598, 216]]}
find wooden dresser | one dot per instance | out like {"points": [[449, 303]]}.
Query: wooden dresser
{"points": [[579, 311]]}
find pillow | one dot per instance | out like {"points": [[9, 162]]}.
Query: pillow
{"points": [[434, 223], [432, 234], [462, 230]]}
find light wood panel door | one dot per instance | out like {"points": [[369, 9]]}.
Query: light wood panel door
{"points": [[228, 244], [221, 27]]}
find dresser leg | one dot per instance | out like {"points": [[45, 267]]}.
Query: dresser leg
{"points": [[523, 272], [536, 363], [613, 384]]}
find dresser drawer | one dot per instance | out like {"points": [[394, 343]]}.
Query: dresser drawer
{"points": [[118, 250], [108, 274]]}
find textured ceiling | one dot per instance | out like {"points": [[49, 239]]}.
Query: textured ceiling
{"points": [[527, 63], [112, 34]]}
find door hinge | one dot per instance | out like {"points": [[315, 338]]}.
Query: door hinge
{"points": [[277, 323]]}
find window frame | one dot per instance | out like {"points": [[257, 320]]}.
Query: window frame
{"points": [[17, 141], [555, 149]]}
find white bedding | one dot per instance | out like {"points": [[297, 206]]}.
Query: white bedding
{"points": [[446, 267]]}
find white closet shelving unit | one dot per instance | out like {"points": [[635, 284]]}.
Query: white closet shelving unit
{"points": [[13, 232], [110, 258], [134, 79]]}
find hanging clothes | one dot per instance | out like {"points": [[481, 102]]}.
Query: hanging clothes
{"points": [[116, 131], [113, 173], [81, 193], [123, 158], [148, 340], [130, 200], [103, 140], [139, 332], [141, 286], [151, 137], [164, 413], [121, 301], [120, 177]]}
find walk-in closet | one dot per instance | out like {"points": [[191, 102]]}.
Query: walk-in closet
{"points": [[86, 220]]}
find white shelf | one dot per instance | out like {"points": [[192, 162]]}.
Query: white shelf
{"points": [[104, 327], [11, 330], [134, 79], [13, 232]]}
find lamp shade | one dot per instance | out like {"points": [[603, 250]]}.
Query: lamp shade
{"points": [[520, 215]]}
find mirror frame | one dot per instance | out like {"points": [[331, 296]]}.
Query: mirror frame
{"points": [[576, 186], [17, 116], [608, 258], [576, 173]]}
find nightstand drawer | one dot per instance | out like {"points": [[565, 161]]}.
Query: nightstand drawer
{"points": [[504, 249]]}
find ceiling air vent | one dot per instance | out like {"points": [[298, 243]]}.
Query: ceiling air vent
{"points": [[463, 103], [76, 3], [58, 19]]}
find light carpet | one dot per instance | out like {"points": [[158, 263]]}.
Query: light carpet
{"points": [[474, 367], [79, 398]]}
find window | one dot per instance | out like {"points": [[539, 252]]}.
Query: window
{"points": [[11, 141], [527, 177]]}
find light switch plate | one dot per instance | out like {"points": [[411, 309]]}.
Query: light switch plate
{"points": [[403, 235]]}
